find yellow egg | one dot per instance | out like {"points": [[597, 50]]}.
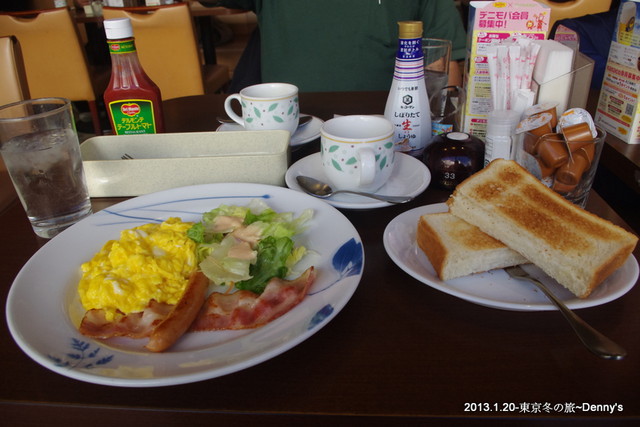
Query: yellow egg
{"points": [[152, 261]]}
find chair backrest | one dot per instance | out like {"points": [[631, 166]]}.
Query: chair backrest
{"points": [[575, 8], [167, 46], [13, 88], [13, 77], [54, 58]]}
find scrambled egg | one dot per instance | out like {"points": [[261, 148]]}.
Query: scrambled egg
{"points": [[152, 261]]}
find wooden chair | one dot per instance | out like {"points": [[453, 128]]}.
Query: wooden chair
{"points": [[13, 77], [168, 50], [574, 8], [54, 58], [13, 88]]}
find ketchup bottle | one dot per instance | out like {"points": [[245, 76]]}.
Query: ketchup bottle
{"points": [[133, 100]]}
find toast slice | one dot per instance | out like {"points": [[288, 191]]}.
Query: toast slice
{"points": [[456, 248], [575, 247]]}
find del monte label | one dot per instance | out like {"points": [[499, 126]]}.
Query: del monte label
{"points": [[130, 109], [121, 46], [132, 116]]}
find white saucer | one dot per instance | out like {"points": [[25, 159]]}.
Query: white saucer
{"points": [[410, 177], [303, 135]]}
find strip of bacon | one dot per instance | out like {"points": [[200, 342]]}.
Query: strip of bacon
{"points": [[180, 318], [133, 325], [244, 309], [163, 323]]}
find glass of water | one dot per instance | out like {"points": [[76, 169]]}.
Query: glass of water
{"points": [[447, 105], [437, 54], [40, 148]]}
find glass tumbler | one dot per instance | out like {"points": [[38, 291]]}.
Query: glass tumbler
{"points": [[40, 148], [437, 55]]}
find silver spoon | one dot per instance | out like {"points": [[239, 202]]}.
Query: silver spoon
{"points": [[322, 190], [592, 339], [301, 122]]}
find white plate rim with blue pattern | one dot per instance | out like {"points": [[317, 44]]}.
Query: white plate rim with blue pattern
{"points": [[43, 309]]}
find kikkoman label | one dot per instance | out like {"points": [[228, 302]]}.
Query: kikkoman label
{"points": [[133, 116]]}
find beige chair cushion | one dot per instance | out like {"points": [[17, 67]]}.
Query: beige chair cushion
{"points": [[13, 79], [54, 58]]}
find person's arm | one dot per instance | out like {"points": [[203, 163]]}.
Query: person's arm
{"points": [[455, 74], [442, 20]]}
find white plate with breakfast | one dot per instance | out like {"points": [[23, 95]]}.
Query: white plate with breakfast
{"points": [[44, 311], [410, 177], [493, 288], [303, 135]]}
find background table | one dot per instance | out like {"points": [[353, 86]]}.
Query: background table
{"points": [[202, 16], [399, 353]]}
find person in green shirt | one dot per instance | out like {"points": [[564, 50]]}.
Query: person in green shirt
{"points": [[342, 45]]}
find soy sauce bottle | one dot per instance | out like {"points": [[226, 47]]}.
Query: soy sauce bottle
{"points": [[407, 105]]}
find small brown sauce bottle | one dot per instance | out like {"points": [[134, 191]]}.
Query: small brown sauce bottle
{"points": [[452, 157]]}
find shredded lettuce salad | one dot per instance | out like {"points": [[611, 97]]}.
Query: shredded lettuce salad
{"points": [[248, 245]]}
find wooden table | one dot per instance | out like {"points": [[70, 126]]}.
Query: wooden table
{"points": [[400, 353]]}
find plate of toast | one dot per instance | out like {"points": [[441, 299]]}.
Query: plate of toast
{"points": [[493, 288], [461, 247]]}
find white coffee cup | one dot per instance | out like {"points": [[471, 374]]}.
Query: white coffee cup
{"points": [[266, 106], [357, 152]]}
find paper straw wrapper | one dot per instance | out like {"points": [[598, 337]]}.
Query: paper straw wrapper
{"points": [[492, 60], [515, 74], [503, 78], [511, 65]]}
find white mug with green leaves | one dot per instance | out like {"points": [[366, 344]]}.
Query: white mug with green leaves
{"points": [[357, 152], [266, 106]]}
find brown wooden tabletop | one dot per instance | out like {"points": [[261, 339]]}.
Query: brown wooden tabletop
{"points": [[399, 353]]}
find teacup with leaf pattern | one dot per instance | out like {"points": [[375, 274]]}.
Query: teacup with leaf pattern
{"points": [[266, 106], [357, 152]]}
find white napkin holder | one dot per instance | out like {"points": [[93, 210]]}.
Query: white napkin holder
{"points": [[171, 160]]}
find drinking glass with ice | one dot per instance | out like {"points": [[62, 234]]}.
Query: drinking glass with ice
{"points": [[40, 147]]}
